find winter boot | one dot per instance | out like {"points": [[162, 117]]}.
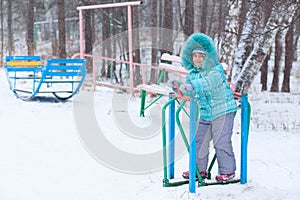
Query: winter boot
{"points": [[225, 177], [186, 175]]}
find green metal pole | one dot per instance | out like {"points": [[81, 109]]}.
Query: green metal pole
{"points": [[162, 74], [143, 99], [185, 140], [143, 102], [155, 100]]}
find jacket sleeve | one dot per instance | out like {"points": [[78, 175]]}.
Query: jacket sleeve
{"points": [[207, 84]]}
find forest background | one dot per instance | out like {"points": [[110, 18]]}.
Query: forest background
{"points": [[251, 36]]}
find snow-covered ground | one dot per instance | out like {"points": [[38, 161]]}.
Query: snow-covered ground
{"points": [[44, 156]]}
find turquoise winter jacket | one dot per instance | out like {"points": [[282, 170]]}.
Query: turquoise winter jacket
{"points": [[211, 89]]}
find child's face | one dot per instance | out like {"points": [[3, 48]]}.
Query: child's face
{"points": [[198, 59]]}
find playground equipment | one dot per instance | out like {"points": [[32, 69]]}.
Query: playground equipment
{"points": [[27, 77], [130, 65], [130, 45], [169, 146], [191, 148], [168, 150], [160, 92]]}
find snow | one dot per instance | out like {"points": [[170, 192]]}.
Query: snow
{"points": [[43, 155]]}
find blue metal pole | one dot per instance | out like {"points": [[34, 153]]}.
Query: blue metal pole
{"points": [[244, 137], [171, 137], [192, 171]]}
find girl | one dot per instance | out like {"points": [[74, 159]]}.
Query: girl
{"points": [[207, 82]]}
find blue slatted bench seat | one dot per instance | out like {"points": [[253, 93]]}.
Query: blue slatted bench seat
{"points": [[27, 77]]}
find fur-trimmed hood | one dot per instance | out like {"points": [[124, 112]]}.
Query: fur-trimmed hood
{"points": [[199, 40]]}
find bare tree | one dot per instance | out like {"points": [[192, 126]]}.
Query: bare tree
{"points": [[297, 33], [264, 73], [61, 28], [245, 44], [136, 54], [204, 16], [88, 34], [167, 24], [105, 36], [188, 27], [229, 40], [220, 22], [50, 31], [242, 17], [30, 28], [289, 55], [267, 8], [278, 55], [10, 27], [211, 19], [154, 41], [281, 16], [2, 32]]}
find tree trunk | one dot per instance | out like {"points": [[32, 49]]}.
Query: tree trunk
{"points": [[203, 16], [229, 40], [212, 18], [2, 32], [267, 7], [297, 35], [105, 36], [166, 45], [264, 73], [160, 20], [289, 54], [188, 28], [88, 38], [61, 29], [10, 27], [123, 44], [153, 75], [281, 15], [277, 60], [136, 47], [220, 21], [167, 24], [109, 50], [242, 18], [30, 28], [245, 44]]}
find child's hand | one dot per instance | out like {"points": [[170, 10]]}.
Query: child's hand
{"points": [[171, 84], [187, 89]]}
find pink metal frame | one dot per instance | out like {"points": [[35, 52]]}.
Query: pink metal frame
{"points": [[144, 67], [129, 16]]}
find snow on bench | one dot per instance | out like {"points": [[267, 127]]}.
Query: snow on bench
{"points": [[175, 67]]}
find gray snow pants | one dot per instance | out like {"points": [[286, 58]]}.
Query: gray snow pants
{"points": [[220, 131]]}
